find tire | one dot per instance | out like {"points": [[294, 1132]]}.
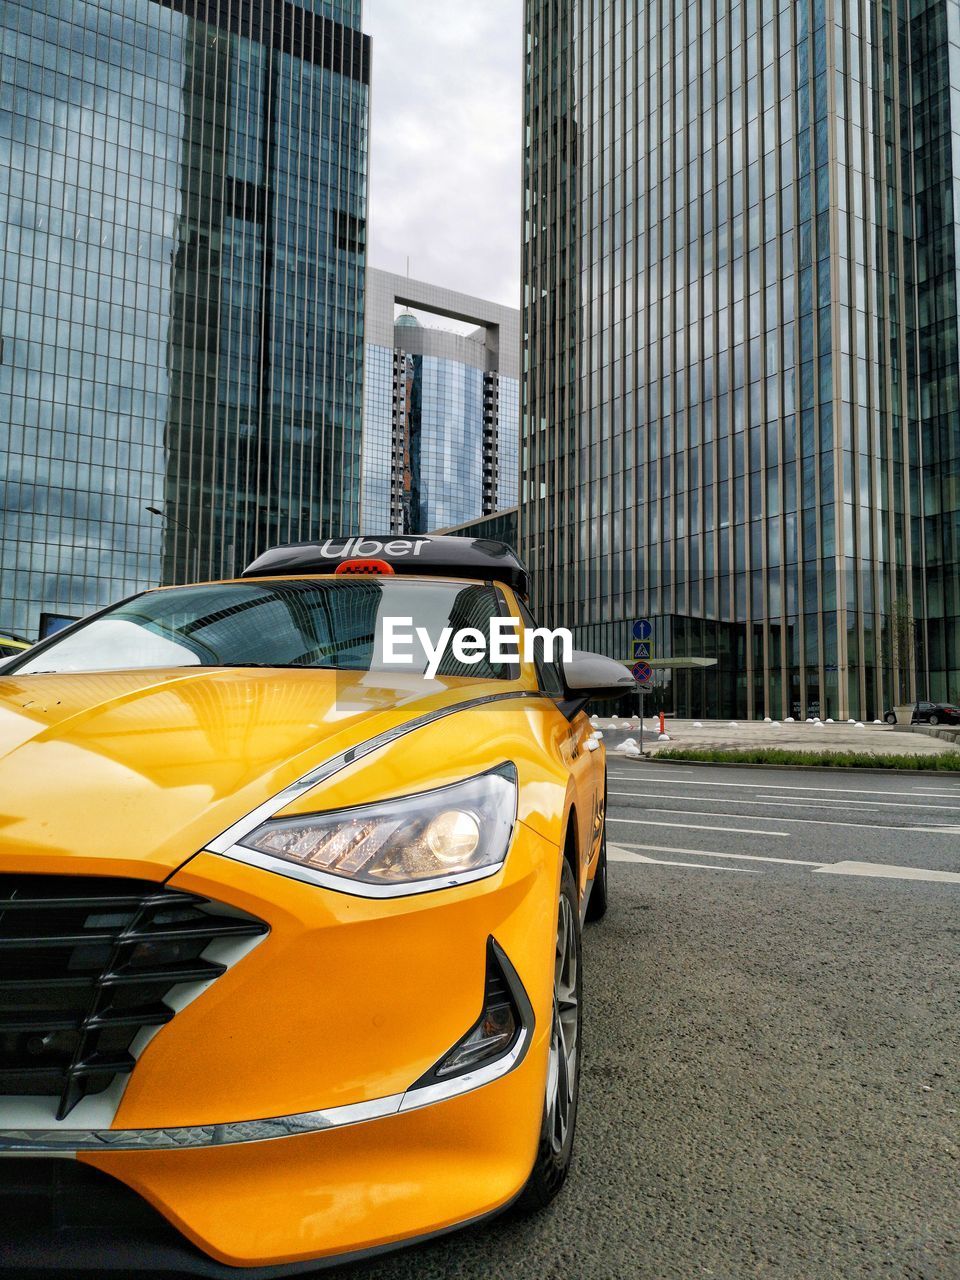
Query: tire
{"points": [[933, 718], [891, 717], [597, 905], [558, 1124]]}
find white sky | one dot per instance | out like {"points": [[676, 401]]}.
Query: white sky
{"points": [[445, 142]]}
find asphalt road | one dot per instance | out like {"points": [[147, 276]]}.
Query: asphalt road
{"points": [[772, 1041]]}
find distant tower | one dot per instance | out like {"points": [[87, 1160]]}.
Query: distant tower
{"points": [[440, 408]]}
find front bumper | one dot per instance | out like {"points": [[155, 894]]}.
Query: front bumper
{"points": [[61, 1216], [317, 1035]]}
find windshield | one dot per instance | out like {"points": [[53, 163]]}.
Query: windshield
{"points": [[335, 624]]}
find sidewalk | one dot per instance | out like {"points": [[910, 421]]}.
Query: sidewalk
{"points": [[875, 738]]}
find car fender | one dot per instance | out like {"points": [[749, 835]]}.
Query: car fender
{"points": [[529, 731]]}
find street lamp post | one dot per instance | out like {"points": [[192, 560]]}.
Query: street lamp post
{"points": [[165, 515]]}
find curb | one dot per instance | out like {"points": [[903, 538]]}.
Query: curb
{"points": [[817, 768]]}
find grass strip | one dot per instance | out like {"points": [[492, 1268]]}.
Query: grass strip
{"points": [[947, 762]]}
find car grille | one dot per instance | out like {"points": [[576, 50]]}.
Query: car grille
{"points": [[85, 965]]}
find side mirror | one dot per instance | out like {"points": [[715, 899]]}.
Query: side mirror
{"points": [[591, 675]]}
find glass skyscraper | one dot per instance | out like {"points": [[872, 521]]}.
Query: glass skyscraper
{"points": [[183, 225], [741, 411], [441, 414]]}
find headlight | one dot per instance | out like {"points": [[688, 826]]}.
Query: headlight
{"points": [[409, 845]]}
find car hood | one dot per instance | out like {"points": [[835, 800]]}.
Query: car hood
{"points": [[131, 772]]}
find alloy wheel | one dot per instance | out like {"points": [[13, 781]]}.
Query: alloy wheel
{"points": [[564, 1037]]}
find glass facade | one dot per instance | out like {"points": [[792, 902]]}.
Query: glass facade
{"points": [[384, 474], [501, 526], [183, 210], [508, 442], [441, 411], [425, 464], [445, 433], [928, 66], [741, 405]]}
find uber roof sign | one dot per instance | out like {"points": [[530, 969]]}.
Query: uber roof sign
{"points": [[438, 555], [349, 548]]}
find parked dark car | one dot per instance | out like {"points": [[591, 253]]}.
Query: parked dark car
{"points": [[929, 713]]}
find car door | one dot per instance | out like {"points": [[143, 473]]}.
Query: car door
{"points": [[586, 765]]}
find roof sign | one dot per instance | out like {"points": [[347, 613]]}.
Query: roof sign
{"points": [[437, 555]]}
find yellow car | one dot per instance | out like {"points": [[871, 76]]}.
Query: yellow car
{"points": [[292, 876]]}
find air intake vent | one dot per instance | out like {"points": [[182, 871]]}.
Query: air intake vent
{"points": [[85, 964], [506, 1018]]}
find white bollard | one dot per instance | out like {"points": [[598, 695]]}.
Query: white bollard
{"points": [[858, 724], [789, 720], [829, 720], [663, 737], [698, 724], [767, 720], [733, 725]]}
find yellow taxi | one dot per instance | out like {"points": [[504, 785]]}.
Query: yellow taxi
{"points": [[293, 870]]}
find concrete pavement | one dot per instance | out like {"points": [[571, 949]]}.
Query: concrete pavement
{"points": [[728, 734]]}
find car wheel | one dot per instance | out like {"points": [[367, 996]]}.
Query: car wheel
{"points": [[933, 718], [563, 1065], [597, 904], [891, 717]]}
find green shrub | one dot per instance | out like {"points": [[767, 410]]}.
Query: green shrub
{"points": [[947, 762]]}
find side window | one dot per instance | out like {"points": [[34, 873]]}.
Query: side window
{"points": [[548, 673]]}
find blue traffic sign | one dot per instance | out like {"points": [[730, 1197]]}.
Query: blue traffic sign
{"points": [[642, 629], [642, 671], [642, 650]]}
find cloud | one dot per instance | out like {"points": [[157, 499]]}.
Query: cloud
{"points": [[445, 162]]}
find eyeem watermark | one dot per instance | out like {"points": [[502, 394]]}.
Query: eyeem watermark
{"points": [[469, 645]]}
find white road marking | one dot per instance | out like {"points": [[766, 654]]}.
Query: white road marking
{"points": [[739, 857], [881, 871], [945, 828], [616, 854], [887, 871], [757, 786], [876, 804], [692, 826]]}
